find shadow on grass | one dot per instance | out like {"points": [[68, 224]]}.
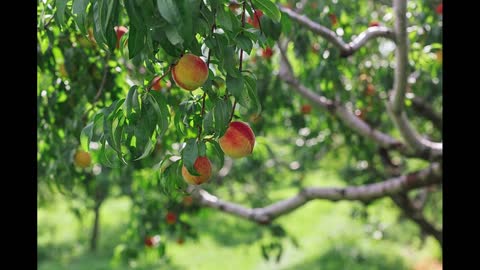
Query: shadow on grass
{"points": [[352, 258], [227, 230], [76, 255]]}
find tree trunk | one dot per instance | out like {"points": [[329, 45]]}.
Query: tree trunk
{"points": [[96, 225]]}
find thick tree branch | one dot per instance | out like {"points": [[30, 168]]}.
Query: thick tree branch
{"points": [[426, 148], [411, 208], [345, 48], [402, 201], [425, 109], [348, 118], [389, 187]]}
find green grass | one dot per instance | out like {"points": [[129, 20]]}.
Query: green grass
{"points": [[328, 235]]}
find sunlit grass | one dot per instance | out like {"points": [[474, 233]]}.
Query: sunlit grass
{"points": [[329, 237]]}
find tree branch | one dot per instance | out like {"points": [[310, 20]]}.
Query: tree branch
{"points": [[426, 148], [346, 49], [404, 203], [348, 118], [265, 215]]}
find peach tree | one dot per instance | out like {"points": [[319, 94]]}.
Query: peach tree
{"points": [[177, 99]]}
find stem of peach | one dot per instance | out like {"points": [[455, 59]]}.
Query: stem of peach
{"points": [[161, 78]]}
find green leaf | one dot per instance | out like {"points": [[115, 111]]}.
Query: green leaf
{"points": [[163, 115], [189, 10], [202, 149], [169, 11], [269, 8], [218, 151], [228, 56], [221, 115], [98, 32], [86, 136], [161, 37], [136, 41], [224, 19], [251, 88], [173, 36], [270, 28], [134, 14], [236, 87], [190, 155], [208, 123], [60, 13], [129, 101], [286, 24], [147, 150], [79, 8], [244, 43], [105, 17]]}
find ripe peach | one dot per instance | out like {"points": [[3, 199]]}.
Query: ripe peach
{"points": [[82, 159], [255, 21], [238, 141], [439, 9], [120, 30], [306, 109], [151, 241], [370, 90], [190, 72], [267, 53], [333, 19], [157, 84], [171, 218], [203, 166]]}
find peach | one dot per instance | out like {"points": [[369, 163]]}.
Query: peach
{"points": [[156, 84], [82, 159], [203, 166], [190, 72], [306, 109], [120, 31], [267, 53], [439, 9], [333, 19], [171, 218], [370, 90], [255, 21], [238, 141]]}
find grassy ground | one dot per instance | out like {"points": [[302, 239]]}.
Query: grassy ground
{"points": [[328, 235]]}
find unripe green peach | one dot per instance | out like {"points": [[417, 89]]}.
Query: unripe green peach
{"points": [[190, 72], [203, 166], [238, 141]]}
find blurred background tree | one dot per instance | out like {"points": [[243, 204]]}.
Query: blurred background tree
{"points": [[345, 100]]}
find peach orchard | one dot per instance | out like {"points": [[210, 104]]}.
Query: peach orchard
{"points": [[169, 101]]}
